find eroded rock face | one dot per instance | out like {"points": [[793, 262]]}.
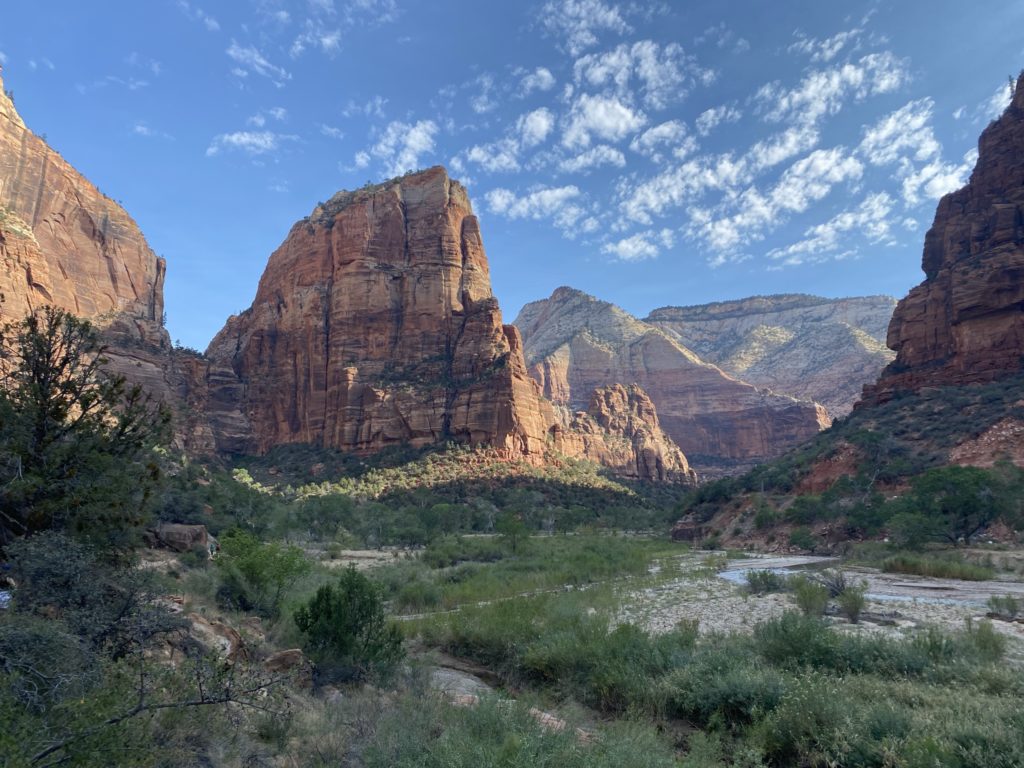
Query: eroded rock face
{"points": [[374, 325], [809, 347], [95, 260], [576, 344], [65, 244], [964, 324], [620, 430]]}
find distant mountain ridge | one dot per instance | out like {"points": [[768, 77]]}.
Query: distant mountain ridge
{"points": [[574, 342], [806, 346]]}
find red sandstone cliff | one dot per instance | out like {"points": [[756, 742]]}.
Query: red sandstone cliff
{"points": [[374, 325], [964, 323]]}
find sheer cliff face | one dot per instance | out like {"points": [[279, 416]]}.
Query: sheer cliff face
{"points": [[965, 323], [374, 325], [92, 259], [809, 347], [575, 343]]}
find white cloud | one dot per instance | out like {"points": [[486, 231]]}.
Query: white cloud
{"points": [[3, 58], [724, 38], [361, 159], [251, 60], [936, 178], [906, 138], [824, 92], [662, 73], [559, 204], [534, 127], [907, 131], [709, 119], [597, 156], [196, 13], [604, 117], [250, 142], [827, 49], [639, 246], [744, 218], [497, 156], [374, 107], [402, 144], [671, 134], [579, 22], [540, 79], [331, 131], [484, 101], [997, 102], [832, 239]]}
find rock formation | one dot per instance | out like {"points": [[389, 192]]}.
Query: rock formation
{"points": [[95, 261], [964, 324], [620, 430], [575, 344], [374, 325], [805, 346]]}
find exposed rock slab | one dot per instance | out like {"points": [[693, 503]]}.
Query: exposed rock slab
{"points": [[809, 347], [576, 344], [964, 324]]}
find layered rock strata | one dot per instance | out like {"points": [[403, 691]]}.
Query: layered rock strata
{"points": [[575, 344], [964, 324], [809, 347], [374, 325]]}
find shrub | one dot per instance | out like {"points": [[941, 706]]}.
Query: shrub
{"points": [[947, 567], [346, 632], [760, 582], [851, 602], [259, 573], [801, 538], [1004, 606], [811, 597]]}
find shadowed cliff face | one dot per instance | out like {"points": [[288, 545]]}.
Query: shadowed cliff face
{"points": [[964, 323], [575, 343], [374, 325]]}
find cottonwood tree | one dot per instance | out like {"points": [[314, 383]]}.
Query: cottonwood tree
{"points": [[75, 440]]}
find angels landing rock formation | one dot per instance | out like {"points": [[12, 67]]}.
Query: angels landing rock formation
{"points": [[809, 347], [964, 323], [374, 325], [576, 343]]}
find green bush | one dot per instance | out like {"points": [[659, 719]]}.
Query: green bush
{"points": [[801, 538], [852, 601], [945, 567], [258, 574], [345, 630], [811, 597], [1005, 606], [760, 582]]}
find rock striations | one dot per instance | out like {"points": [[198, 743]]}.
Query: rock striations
{"points": [[965, 322], [63, 243], [576, 343], [809, 347], [374, 325]]}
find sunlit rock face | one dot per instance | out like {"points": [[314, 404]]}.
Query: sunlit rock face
{"points": [[964, 323], [808, 347], [576, 343]]}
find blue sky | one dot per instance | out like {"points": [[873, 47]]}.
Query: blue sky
{"points": [[650, 153]]}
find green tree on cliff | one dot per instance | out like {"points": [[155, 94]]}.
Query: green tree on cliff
{"points": [[75, 441]]}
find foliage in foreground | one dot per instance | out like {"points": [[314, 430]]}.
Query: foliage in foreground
{"points": [[794, 693], [75, 441]]}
